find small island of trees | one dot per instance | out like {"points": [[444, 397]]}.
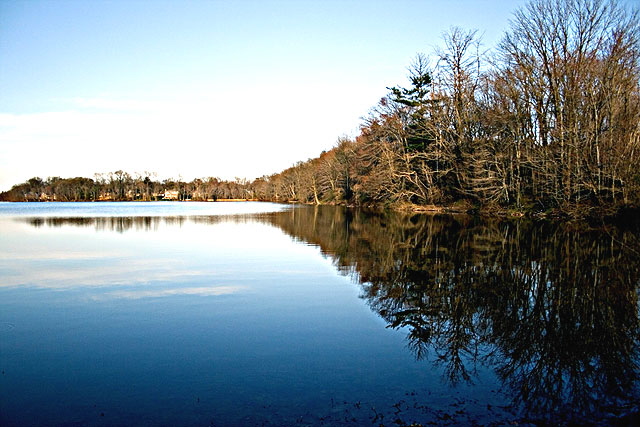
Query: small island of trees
{"points": [[549, 121]]}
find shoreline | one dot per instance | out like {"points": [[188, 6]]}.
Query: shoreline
{"points": [[574, 212]]}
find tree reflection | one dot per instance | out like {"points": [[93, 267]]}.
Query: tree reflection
{"points": [[123, 224], [551, 307]]}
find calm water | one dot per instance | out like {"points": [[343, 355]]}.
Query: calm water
{"points": [[264, 314]]}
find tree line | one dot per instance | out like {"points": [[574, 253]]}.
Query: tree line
{"points": [[122, 186], [548, 120]]}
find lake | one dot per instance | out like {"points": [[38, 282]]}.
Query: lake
{"points": [[247, 313]]}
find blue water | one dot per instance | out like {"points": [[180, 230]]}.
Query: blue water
{"points": [[134, 209], [194, 314]]}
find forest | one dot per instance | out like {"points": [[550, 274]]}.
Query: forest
{"points": [[547, 121]]}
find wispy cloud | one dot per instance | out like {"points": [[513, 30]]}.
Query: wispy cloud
{"points": [[159, 293], [66, 273], [54, 255], [116, 104]]}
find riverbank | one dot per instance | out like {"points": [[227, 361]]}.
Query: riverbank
{"points": [[570, 212], [610, 213]]}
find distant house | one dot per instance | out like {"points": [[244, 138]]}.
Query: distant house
{"points": [[171, 195], [107, 196]]}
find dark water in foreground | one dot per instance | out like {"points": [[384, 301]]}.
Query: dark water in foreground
{"points": [[262, 314]]}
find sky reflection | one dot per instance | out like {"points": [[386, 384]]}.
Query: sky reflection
{"points": [[103, 252], [326, 311], [224, 319], [159, 293]]}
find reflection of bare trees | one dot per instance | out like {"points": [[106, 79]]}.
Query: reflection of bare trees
{"points": [[565, 319], [137, 223], [552, 308], [118, 224]]}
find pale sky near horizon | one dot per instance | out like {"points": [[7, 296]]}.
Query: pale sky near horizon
{"points": [[204, 88]]}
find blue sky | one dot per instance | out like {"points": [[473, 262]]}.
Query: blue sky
{"points": [[204, 88]]}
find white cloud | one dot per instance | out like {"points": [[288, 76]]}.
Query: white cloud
{"points": [[244, 132], [115, 104]]}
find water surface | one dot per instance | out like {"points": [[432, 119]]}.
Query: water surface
{"points": [[264, 314]]}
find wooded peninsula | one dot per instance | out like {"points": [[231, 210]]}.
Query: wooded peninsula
{"points": [[547, 122]]}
